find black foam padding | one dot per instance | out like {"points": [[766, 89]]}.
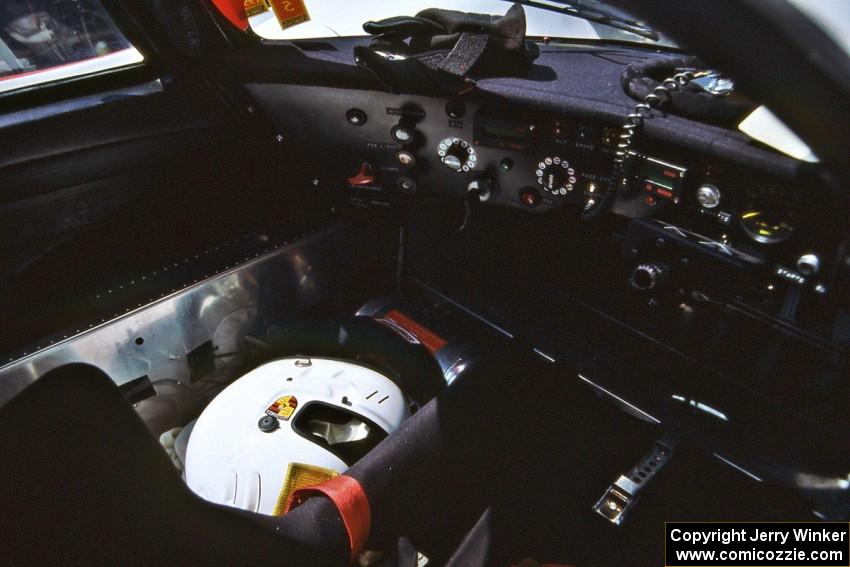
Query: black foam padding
{"points": [[413, 369], [474, 550]]}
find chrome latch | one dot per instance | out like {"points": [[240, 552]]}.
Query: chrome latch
{"points": [[621, 496]]}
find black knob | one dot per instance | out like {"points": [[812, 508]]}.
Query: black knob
{"points": [[356, 117], [457, 154], [456, 151], [267, 424], [455, 109], [485, 186], [555, 175], [649, 276], [406, 185]]}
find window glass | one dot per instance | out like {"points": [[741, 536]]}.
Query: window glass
{"points": [[832, 16], [49, 40], [301, 19]]}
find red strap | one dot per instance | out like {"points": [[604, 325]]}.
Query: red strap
{"points": [[351, 501]]}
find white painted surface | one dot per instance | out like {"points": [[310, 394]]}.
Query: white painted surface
{"points": [[229, 460], [115, 60]]}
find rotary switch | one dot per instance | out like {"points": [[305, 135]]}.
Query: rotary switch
{"points": [[457, 154], [649, 276], [555, 175]]}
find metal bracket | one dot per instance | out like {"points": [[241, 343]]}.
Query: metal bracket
{"points": [[622, 495]]}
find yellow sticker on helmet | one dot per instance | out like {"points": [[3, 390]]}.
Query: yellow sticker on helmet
{"points": [[300, 475]]}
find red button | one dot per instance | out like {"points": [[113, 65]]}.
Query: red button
{"points": [[364, 176]]}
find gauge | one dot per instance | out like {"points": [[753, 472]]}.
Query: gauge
{"points": [[768, 214]]}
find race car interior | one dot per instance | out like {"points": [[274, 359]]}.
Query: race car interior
{"points": [[537, 295]]}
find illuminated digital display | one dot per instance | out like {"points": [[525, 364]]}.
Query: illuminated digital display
{"points": [[515, 134], [659, 178], [507, 134]]}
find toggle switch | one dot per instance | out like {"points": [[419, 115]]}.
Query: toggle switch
{"points": [[364, 176], [529, 197], [403, 134]]}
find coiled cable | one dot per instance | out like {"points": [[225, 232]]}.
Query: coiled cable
{"points": [[634, 121]]}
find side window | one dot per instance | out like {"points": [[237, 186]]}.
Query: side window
{"points": [[42, 41]]}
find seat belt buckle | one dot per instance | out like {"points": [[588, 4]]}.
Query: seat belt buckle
{"points": [[619, 499]]}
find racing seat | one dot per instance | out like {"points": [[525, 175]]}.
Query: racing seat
{"points": [[85, 483]]}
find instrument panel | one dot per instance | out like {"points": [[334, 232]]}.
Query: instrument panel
{"points": [[391, 144], [504, 155], [380, 151]]}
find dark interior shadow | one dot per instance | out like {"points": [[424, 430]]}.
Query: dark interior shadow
{"points": [[542, 74]]}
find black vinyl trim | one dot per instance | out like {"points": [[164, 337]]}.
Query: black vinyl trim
{"points": [[79, 86]]}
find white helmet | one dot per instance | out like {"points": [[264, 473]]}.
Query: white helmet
{"points": [[289, 423]]}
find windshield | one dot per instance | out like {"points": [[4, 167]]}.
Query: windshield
{"points": [[344, 18]]}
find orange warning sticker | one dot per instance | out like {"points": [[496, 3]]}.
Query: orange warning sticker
{"points": [[290, 12], [412, 331], [298, 476], [283, 407]]}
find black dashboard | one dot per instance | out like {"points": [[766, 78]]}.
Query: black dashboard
{"points": [[768, 228], [713, 280]]}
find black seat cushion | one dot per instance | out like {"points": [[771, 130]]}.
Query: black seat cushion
{"points": [[84, 483]]}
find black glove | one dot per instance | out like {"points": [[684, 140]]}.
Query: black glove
{"points": [[455, 43]]}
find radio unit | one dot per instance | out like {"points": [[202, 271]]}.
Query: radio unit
{"points": [[517, 135]]}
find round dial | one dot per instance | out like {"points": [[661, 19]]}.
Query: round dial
{"points": [[556, 175], [768, 214], [457, 154]]}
